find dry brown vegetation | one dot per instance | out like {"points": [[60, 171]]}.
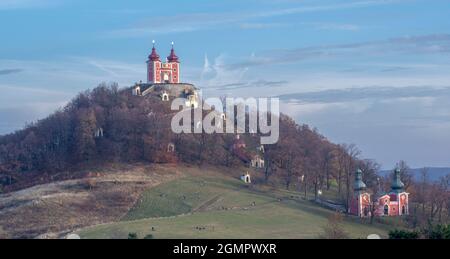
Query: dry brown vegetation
{"points": [[58, 208]]}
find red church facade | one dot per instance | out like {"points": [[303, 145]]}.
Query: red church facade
{"points": [[163, 72], [394, 203]]}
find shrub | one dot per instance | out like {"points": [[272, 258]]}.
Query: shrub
{"points": [[334, 229], [403, 234], [438, 232], [132, 236]]}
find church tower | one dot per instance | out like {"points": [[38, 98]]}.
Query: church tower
{"points": [[154, 67], [174, 65], [360, 203], [399, 199]]}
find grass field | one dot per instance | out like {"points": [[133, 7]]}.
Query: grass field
{"points": [[216, 206]]}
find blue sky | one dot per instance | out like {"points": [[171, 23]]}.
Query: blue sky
{"points": [[370, 72]]}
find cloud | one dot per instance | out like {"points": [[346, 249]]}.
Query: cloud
{"points": [[329, 7], [261, 26], [216, 74], [20, 105], [387, 123], [417, 45], [24, 4], [10, 71], [336, 26], [251, 84], [245, 20], [74, 73], [44, 86], [367, 93], [16, 117]]}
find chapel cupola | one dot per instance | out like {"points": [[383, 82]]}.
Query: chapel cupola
{"points": [[359, 185], [397, 184]]}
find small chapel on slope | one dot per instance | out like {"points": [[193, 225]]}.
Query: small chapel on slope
{"points": [[393, 203]]}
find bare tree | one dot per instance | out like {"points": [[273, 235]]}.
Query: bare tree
{"points": [[350, 161], [405, 174]]}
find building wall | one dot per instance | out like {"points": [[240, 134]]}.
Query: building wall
{"points": [[359, 203], [395, 202], [404, 201], [157, 69], [175, 73]]}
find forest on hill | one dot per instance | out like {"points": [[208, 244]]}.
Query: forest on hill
{"points": [[110, 125]]}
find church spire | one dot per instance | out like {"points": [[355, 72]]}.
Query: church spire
{"points": [[154, 56], [173, 57]]}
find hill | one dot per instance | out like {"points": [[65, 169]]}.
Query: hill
{"points": [[108, 124], [56, 176], [209, 204], [167, 201]]}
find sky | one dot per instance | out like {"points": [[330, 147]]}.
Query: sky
{"points": [[374, 73]]}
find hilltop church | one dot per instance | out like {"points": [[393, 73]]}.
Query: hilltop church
{"points": [[393, 203], [164, 82]]}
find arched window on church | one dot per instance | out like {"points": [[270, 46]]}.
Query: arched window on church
{"points": [[403, 210], [386, 210]]}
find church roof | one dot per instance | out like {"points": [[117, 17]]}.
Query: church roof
{"points": [[173, 57], [397, 184], [154, 55], [359, 185]]}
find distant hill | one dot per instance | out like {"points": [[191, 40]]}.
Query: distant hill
{"points": [[434, 173]]}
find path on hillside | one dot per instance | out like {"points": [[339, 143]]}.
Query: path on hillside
{"points": [[204, 206]]}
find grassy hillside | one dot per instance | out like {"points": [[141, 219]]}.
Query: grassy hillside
{"points": [[218, 206]]}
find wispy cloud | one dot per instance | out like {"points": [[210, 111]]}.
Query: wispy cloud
{"points": [[215, 73], [259, 26], [365, 93], [329, 7], [23, 4], [251, 84], [10, 71], [423, 44], [44, 86], [336, 26], [244, 20], [82, 72]]}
